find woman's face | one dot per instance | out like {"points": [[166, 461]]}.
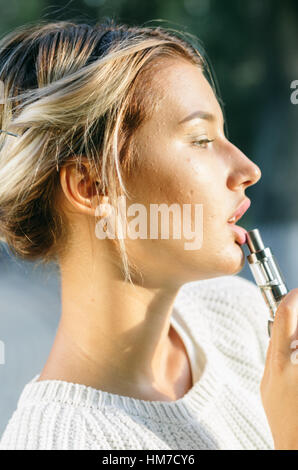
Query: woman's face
{"points": [[178, 165]]}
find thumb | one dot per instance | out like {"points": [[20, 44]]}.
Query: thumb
{"points": [[284, 329]]}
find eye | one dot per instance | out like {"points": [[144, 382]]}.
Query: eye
{"points": [[202, 142]]}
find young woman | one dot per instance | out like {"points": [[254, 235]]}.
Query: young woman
{"points": [[158, 346]]}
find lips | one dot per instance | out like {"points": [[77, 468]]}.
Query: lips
{"points": [[240, 231], [240, 211]]}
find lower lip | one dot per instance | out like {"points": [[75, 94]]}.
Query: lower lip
{"points": [[240, 232]]}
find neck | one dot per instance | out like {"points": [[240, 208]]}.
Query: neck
{"points": [[113, 335]]}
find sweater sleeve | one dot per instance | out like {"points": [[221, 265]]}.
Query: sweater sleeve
{"points": [[258, 315], [254, 313], [237, 315]]}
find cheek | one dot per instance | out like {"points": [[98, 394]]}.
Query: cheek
{"points": [[199, 182], [160, 183], [184, 177]]}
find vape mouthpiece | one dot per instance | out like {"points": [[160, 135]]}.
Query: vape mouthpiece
{"points": [[266, 273], [254, 241]]}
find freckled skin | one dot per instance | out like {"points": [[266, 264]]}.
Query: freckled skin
{"points": [[117, 337], [216, 177]]}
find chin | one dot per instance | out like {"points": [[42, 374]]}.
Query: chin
{"points": [[225, 263], [237, 262], [230, 261]]}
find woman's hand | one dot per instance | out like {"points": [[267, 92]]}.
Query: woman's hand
{"points": [[279, 385]]}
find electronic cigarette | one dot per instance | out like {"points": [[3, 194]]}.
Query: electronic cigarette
{"points": [[266, 273]]}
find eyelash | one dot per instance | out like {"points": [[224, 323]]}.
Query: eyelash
{"points": [[203, 140]]}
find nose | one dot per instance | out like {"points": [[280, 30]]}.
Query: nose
{"points": [[244, 172]]}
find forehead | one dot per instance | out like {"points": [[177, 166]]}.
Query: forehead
{"points": [[184, 89]]}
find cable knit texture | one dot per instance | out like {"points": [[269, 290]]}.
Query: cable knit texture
{"points": [[226, 319]]}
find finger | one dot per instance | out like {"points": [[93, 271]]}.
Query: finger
{"points": [[284, 329], [267, 366]]}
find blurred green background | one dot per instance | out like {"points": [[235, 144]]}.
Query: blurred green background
{"points": [[252, 47]]}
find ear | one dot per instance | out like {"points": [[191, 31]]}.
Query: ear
{"points": [[80, 187]]}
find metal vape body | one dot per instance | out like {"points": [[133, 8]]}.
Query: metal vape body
{"points": [[266, 273]]}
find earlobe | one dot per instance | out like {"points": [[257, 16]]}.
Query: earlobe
{"points": [[104, 208]]}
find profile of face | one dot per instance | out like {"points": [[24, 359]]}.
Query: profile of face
{"points": [[178, 165]]}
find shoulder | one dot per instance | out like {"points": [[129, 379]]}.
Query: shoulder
{"points": [[223, 293], [216, 287], [57, 426], [74, 421], [233, 309]]}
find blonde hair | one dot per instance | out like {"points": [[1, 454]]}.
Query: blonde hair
{"points": [[72, 90]]}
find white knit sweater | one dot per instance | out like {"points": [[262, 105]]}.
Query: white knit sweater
{"points": [[223, 323]]}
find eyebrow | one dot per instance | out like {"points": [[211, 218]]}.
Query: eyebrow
{"points": [[199, 114]]}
